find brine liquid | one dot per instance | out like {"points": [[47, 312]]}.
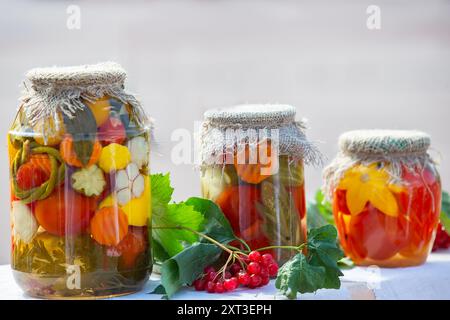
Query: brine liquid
{"points": [[270, 212], [80, 203], [373, 237]]}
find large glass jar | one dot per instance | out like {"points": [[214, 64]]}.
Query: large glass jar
{"points": [[255, 179], [387, 197], [80, 188]]}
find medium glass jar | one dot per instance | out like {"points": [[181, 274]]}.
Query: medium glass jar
{"points": [[255, 178], [80, 188], [386, 197]]}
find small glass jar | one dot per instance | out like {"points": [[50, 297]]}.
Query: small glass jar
{"points": [[386, 195], [80, 189], [254, 176]]}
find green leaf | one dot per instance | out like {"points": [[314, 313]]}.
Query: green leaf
{"points": [[445, 213], [323, 251], [161, 190], [216, 225], [176, 215], [317, 270], [159, 290], [298, 275], [346, 263], [159, 253], [315, 219], [83, 129], [169, 242], [320, 212], [184, 254], [187, 266]]}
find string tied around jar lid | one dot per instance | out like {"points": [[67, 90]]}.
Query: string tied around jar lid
{"points": [[399, 149]]}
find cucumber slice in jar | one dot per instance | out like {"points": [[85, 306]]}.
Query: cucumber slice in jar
{"points": [[290, 173]]}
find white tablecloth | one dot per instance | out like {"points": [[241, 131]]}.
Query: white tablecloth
{"points": [[429, 281]]}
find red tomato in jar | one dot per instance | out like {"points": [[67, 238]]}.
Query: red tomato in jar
{"points": [[421, 208], [340, 201], [30, 176], [298, 196], [65, 212], [134, 243], [112, 131], [342, 217], [375, 233], [238, 203]]}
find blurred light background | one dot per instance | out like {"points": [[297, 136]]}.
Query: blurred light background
{"points": [[186, 56]]}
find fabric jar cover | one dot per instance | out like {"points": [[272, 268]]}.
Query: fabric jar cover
{"points": [[398, 148], [53, 90], [253, 122]]}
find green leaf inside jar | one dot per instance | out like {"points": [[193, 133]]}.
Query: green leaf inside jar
{"points": [[83, 128]]}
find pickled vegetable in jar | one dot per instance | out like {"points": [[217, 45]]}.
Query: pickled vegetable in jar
{"points": [[80, 188], [253, 168], [386, 196]]}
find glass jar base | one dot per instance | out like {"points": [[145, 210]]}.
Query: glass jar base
{"points": [[397, 261], [86, 297], [55, 287]]}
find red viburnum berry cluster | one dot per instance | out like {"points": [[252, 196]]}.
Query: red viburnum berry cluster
{"points": [[252, 271], [442, 239]]}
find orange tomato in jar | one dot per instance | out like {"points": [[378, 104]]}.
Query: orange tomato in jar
{"points": [[109, 226], [65, 212], [254, 172], [69, 155]]}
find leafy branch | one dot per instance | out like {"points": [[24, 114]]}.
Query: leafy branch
{"points": [[191, 235]]}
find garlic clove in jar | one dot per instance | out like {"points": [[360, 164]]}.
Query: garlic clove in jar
{"points": [[139, 150], [129, 184], [138, 186], [25, 224]]}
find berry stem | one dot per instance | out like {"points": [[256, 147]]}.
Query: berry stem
{"points": [[298, 248], [245, 244], [226, 265], [217, 243]]}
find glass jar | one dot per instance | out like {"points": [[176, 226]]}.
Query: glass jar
{"points": [[80, 188], [387, 197], [254, 177]]}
